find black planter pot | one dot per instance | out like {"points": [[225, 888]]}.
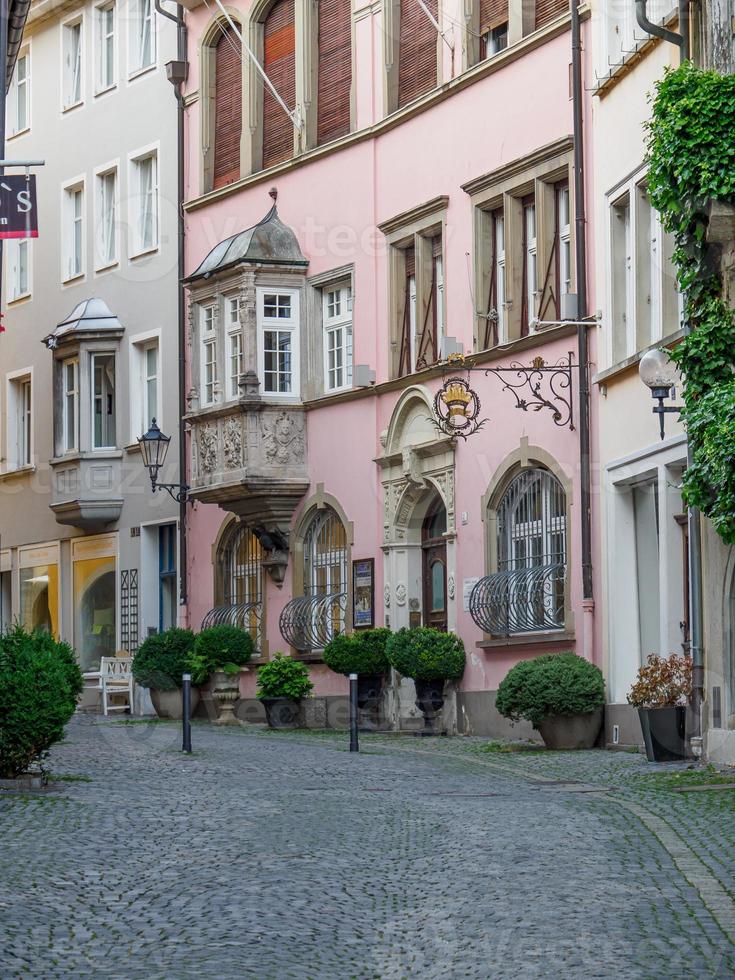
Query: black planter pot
{"points": [[282, 712], [429, 700], [664, 733]]}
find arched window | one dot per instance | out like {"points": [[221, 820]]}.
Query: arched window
{"points": [[335, 69], [308, 622], [417, 51], [279, 61], [227, 106], [239, 583], [525, 593]]}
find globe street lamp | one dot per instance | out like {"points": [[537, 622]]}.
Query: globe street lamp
{"points": [[658, 372], [153, 448]]}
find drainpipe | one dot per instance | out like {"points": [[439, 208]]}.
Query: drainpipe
{"points": [[580, 228], [681, 39], [696, 631], [181, 46]]}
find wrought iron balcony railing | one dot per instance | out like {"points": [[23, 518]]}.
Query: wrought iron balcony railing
{"points": [[246, 615], [309, 622], [520, 600]]}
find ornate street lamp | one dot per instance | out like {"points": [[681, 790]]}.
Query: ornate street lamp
{"points": [[153, 448], [658, 372]]}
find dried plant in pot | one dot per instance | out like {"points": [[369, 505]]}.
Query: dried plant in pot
{"points": [[661, 694]]}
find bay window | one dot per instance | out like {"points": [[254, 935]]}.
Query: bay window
{"points": [[70, 405], [235, 349], [103, 401], [209, 371]]}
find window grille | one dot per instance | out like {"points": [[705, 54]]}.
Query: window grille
{"points": [[240, 566], [310, 621], [526, 593]]}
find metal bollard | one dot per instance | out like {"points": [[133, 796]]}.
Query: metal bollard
{"points": [[186, 713], [354, 745]]}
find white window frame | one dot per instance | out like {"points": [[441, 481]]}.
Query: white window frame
{"points": [[93, 355], [627, 194], [235, 347], [136, 198], [281, 324], [499, 231], [101, 228], [141, 412], [530, 285], [209, 350], [64, 446], [14, 126], [20, 418], [70, 72], [14, 247], [68, 230], [135, 64], [565, 239], [101, 35], [331, 323]]}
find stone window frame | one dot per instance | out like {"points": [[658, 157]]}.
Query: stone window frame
{"points": [[314, 378], [227, 532], [207, 68], [533, 457], [538, 174], [416, 227], [310, 509], [306, 82]]}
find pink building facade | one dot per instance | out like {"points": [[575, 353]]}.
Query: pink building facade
{"points": [[412, 214]]}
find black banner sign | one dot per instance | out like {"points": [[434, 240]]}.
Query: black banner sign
{"points": [[18, 212]]}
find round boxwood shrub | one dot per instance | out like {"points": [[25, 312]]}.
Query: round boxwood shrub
{"points": [[225, 648], [555, 684], [426, 654], [40, 683], [163, 658], [283, 677], [361, 653]]}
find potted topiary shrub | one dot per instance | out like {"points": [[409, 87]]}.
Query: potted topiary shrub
{"points": [[159, 664], [661, 693], [40, 683], [282, 683], [220, 652], [431, 658], [362, 653], [561, 694]]}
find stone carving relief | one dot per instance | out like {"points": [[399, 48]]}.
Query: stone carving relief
{"points": [[386, 596], [401, 594], [283, 438], [208, 448], [450, 586], [232, 443]]}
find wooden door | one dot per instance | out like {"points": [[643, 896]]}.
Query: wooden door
{"points": [[434, 566]]}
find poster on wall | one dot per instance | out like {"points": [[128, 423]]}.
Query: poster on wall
{"points": [[363, 593]]}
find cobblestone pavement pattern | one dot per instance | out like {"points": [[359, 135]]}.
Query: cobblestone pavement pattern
{"points": [[278, 856]]}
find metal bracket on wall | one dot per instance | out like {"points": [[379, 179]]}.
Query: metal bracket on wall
{"points": [[540, 386]]}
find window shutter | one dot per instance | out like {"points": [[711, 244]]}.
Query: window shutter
{"points": [[547, 10], [335, 69], [417, 55], [493, 13], [428, 337], [404, 354], [279, 61], [227, 108]]}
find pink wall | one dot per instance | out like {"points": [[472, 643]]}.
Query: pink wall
{"points": [[334, 204]]}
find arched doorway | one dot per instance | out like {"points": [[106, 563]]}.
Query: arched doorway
{"points": [[434, 565]]}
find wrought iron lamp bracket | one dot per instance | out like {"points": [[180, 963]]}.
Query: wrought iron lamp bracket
{"points": [[540, 386], [178, 491]]}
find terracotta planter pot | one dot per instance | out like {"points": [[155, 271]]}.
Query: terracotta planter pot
{"points": [[664, 733], [282, 712], [571, 731], [168, 703]]}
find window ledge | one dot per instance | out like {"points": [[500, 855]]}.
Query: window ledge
{"points": [[106, 90], [602, 377], [73, 106], [19, 299], [94, 454], [526, 640], [72, 279], [16, 473], [21, 132], [107, 267], [134, 256], [139, 72]]}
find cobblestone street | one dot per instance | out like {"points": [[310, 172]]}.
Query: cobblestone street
{"points": [[281, 855]]}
